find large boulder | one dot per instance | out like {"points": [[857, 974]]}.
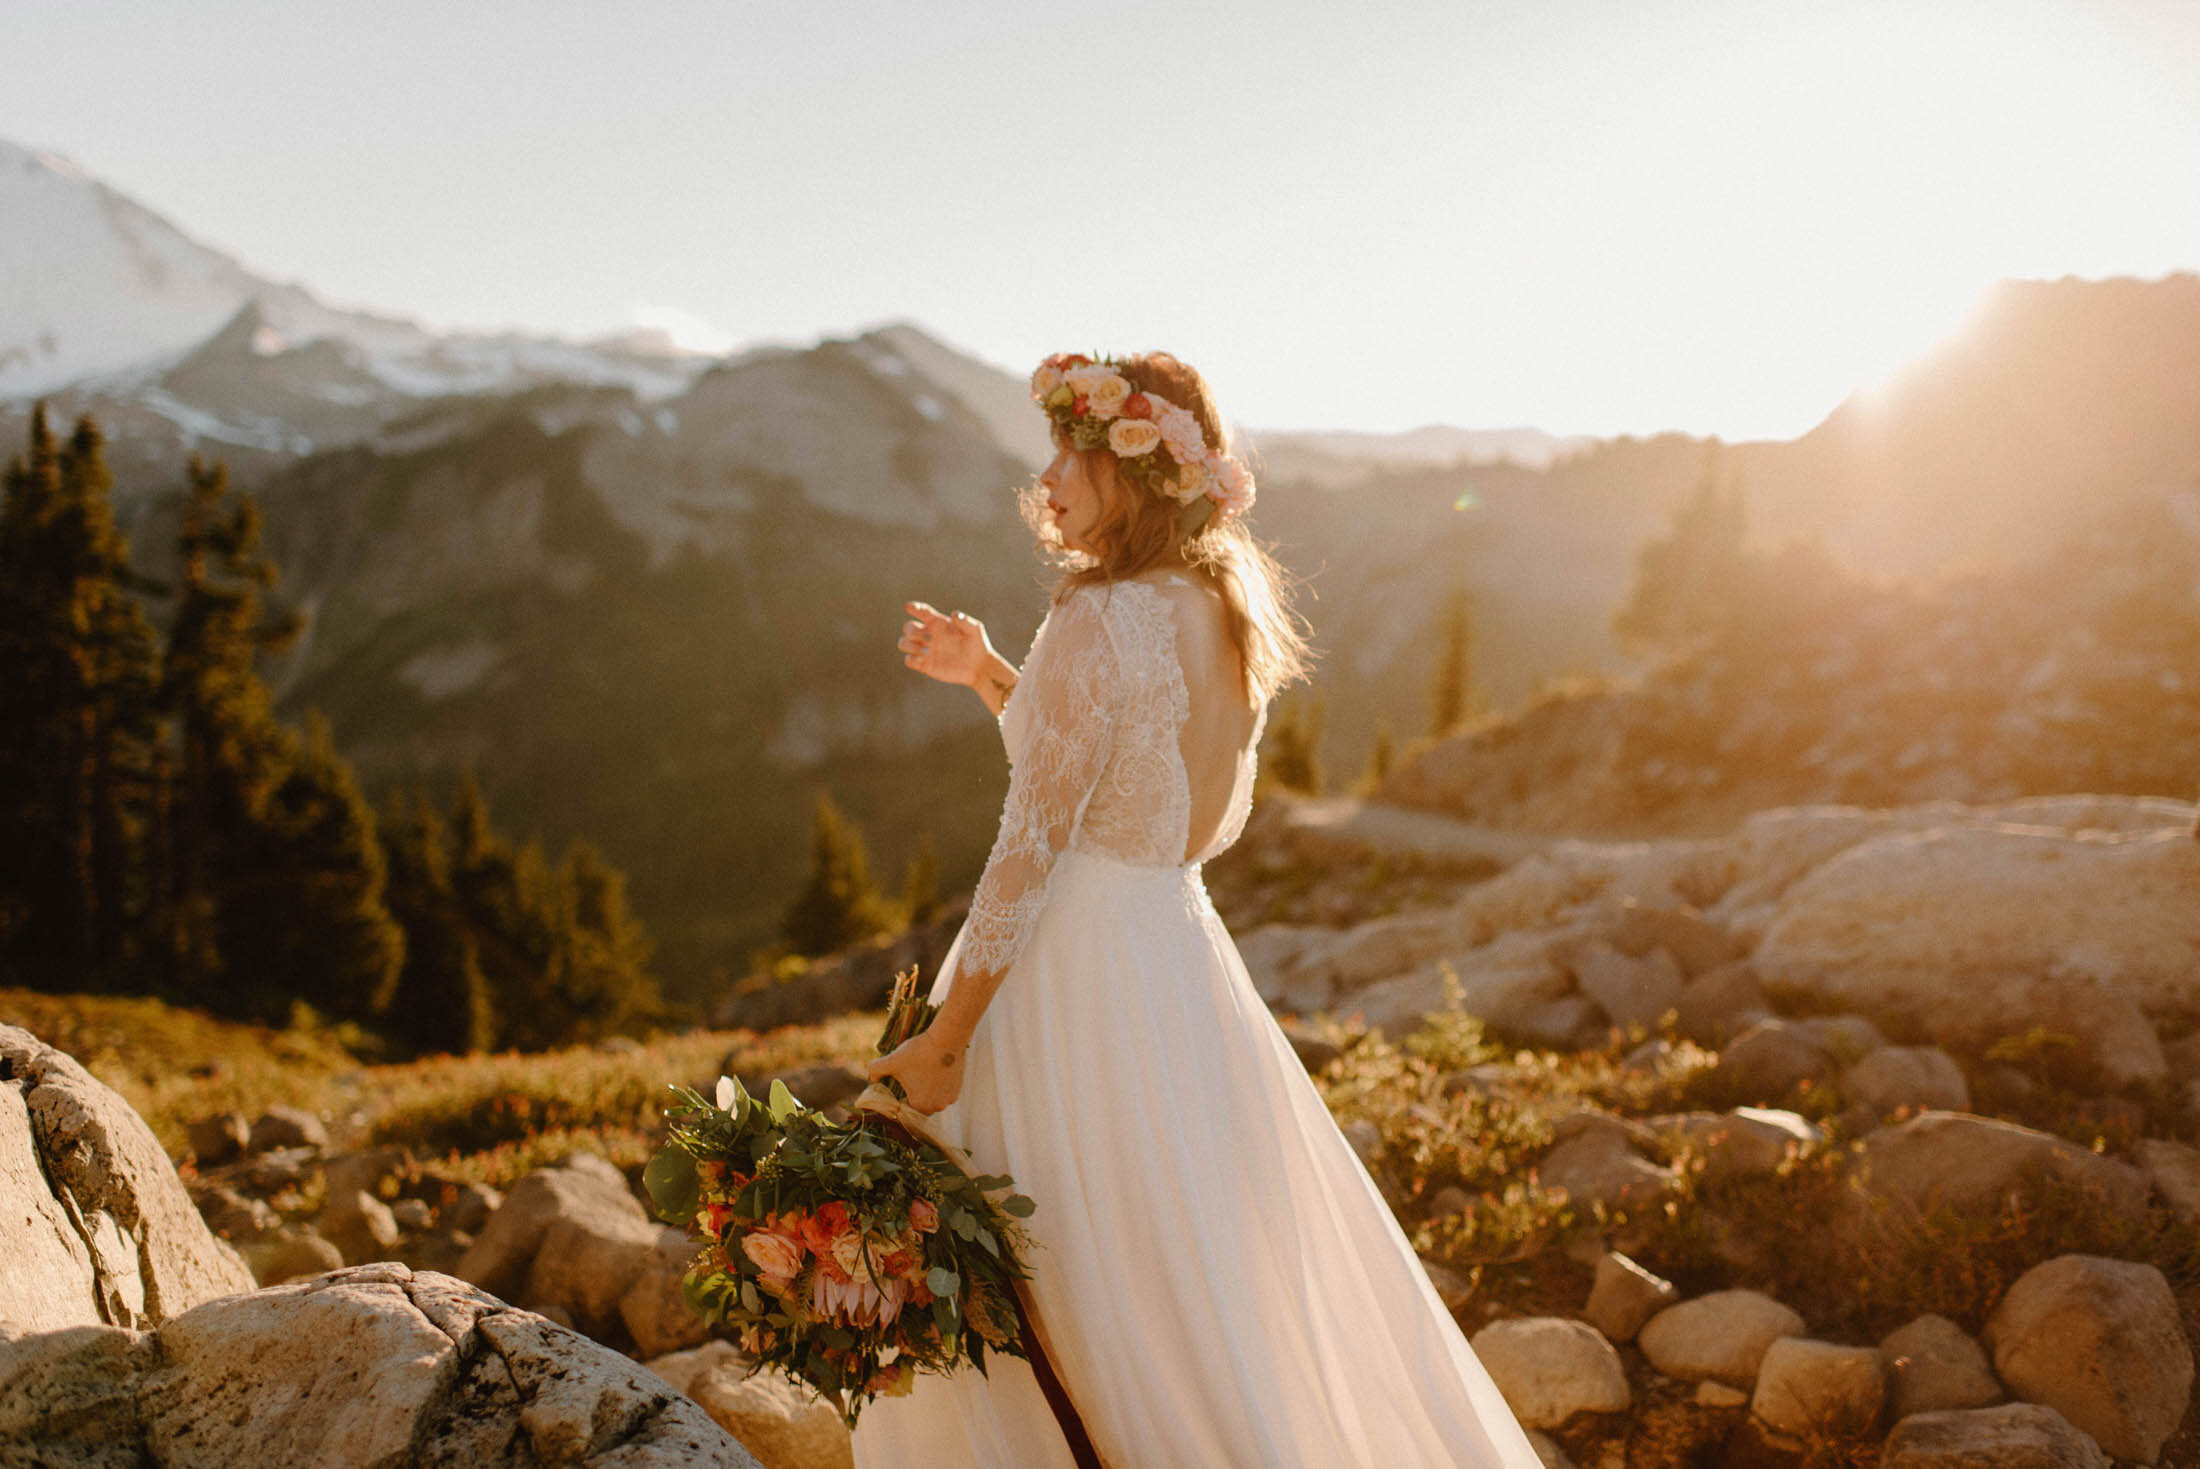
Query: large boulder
{"points": [[1891, 1078], [1918, 925], [373, 1365], [655, 1307], [1629, 989], [1550, 1368], [1770, 1062], [1506, 982], [95, 1226], [1973, 1164], [572, 1237], [2101, 1342], [2012, 1436]]}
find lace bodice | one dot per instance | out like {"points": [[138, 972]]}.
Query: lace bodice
{"points": [[1098, 732]]}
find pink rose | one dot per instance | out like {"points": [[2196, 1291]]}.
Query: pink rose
{"points": [[924, 1215]]}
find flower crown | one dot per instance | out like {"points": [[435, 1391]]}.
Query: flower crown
{"points": [[1099, 409]]}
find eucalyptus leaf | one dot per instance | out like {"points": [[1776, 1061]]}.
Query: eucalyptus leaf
{"points": [[783, 1104], [1018, 1206], [674, 1187], [942, 1281]]}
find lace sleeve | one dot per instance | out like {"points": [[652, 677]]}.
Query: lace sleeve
{"points": [[1069, 700]]}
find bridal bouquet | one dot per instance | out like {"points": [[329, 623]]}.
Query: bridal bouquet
{"points": [[849, 1255]]}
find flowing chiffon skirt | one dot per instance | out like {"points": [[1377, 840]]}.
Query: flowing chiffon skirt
{"points": [[1220, 1279]]}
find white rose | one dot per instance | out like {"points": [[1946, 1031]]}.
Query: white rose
{"points": [[1045, 380], [1192, 481], [1131, 437], [1091, 383], [1105, 397]]}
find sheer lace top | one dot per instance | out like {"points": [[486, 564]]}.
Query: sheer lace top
{"points": [[1127, 737]]}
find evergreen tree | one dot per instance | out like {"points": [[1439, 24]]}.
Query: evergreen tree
{"points": [[271, 889], [78, 670], [920, 882], [1688, 584], [608, 982], [1452, 688], [837, 905], [439, 999]]}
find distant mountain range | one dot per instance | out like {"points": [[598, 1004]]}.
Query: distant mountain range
{"points": [[653, 597]]}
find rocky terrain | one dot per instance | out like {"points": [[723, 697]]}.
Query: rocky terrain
{"points": [[1848, 1136]]}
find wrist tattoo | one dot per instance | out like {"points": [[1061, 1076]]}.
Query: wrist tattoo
{"points": [[1003, 686], [948, 1059]]}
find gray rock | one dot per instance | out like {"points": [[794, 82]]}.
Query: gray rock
{"points": [[1937, 1367], [368, 1171], [1383, 948], [361, 1226], [1724, 1334], [2101, 1342], [288, 1127], [291, 1254], [219, 1138], [1743, 1142], [233, 1216], [654, 1309], [1624, 1296], [1568, 1023], [1816, 1389], [375, 1365], [1597, 1167], [1719, 1005], [413, 1216], [1848, 1038], [1974, 1163], [1770, 1062], [583, 1196], [1550, 1368], [1629, 990], [1919, 1077], [783, 1425], [1693, 941], [1712, 1393], [2174, 1170], [469, 1206], [76, 1161], [2014, 1436]]}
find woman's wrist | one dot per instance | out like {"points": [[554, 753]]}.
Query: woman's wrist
{"points": [[994, 680]]}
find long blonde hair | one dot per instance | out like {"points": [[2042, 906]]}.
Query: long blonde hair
{"points": [[1137, 531]]}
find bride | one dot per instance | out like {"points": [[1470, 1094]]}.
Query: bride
{"points": [[1217, 1279]]}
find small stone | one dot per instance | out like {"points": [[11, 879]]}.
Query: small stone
{"points": [[289, 1254], [1724, 1334], [367, 1171], [1771, 1061], [1937, 1367], [219, 1138], [1630, 991], [1816, 1389], [413, 1216], [1696, 944], [2013, 1436], [1598, 1167], [288, 1127], [232, 1215], [361, 1226], [1550, 1368], [1712, 1393], [1848, 1038], [1720, 1005], [1918, 1077], [1453, 1287], [1624, 1296], [469, 1208], [1741, 1143]]}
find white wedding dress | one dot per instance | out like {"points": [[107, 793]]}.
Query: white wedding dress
{"points": [[1219, 1280]]}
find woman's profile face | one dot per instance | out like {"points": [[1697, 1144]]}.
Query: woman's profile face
{"points": [[1078, 487]]}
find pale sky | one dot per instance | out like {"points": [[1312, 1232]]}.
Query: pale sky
{"points": [[1592, 216]]}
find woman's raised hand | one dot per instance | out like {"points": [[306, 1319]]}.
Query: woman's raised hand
{"points": [[949, 647]]}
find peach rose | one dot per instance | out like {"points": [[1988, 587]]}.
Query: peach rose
{"points": [[1131, 437], [1192, 481], [1046, 379], [1108, 394], [774, 1254]]}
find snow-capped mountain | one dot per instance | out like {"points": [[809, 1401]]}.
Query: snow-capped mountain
{"points": [[97, 290]]}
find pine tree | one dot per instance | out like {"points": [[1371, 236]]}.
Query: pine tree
{"points": [[920, 882], [837, 905], [273, 884], [439, 999], [78, 664], [1451, 691], [608, 982]]}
